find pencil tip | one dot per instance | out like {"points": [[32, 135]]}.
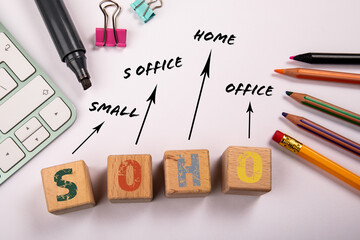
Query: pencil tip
{"points": [[284, 114], [289, 93], [292, 57], [281, 71]]}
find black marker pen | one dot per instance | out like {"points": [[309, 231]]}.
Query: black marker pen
{"points": [[65, 37]]}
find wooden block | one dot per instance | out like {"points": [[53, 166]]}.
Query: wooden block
{"points": [[130, 178], [67, 187], [187, 173], [246, 170]]}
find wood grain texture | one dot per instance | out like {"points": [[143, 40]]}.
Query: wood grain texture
{"points": [[193, 187], [130, 178], [325, 107], [324, 133], [246, 170], [75, 187]]}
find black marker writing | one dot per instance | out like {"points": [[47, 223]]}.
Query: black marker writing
{"points": [[254, 90], [219, 37], [153, 68], [116, 110]]}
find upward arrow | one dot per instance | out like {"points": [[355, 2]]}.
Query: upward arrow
{"points": [[249, 110], [96, 130], [206, 70], [151, 100], [205, 73]]}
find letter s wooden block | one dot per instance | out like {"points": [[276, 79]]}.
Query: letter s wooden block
{"points": [[187, 173], [246, 170], [67, 187], [130, 178]]}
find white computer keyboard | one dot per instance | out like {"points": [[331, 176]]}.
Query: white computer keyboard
{"points": [[33, 111]]}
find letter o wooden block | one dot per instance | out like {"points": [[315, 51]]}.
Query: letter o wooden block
{"points": [[67, 187], [187, 173], [130, 178], [246, 170]]}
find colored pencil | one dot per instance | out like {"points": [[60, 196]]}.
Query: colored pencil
{"points": [[325, 107], [324, 133], [322, 75], [328, 58], [317, 159]]}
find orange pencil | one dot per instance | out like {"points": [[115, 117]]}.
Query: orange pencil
{"points": [[314, 74], [317, 159]]}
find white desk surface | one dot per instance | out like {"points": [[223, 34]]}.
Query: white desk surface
{"points": [[305, 203]]}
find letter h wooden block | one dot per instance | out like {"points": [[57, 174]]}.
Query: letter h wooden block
{"points": [[246, 170], [130, 178], [187, 173], [67, 187]]}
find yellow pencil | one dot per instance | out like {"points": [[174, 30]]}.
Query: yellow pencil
{"points": [[317, 159]]}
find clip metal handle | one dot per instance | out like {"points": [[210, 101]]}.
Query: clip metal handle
{"points": [[158, 6], [110, 3]]}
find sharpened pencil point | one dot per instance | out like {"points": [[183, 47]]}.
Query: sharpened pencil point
{"points": [[289, 93], [281, 71], [284, 114], [292, 57]]}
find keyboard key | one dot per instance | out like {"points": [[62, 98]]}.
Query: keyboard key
{"points": [[22, 103], [27, 129], [56, 114], [10, 154], [7, 83], [36, 139], [14, 58]]}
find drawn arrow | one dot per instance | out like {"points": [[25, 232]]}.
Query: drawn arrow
{"points": [[151, 100], [96, 130], [205, 73], [249, 110]]}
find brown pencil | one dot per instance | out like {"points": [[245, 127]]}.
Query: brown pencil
{"points": [[324, 133], [325, 107], [314, 74]]}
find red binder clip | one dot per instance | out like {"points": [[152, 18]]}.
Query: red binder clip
{"points": [[110, 37]]}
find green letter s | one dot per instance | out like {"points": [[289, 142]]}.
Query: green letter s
{"points": [[65, 184]]}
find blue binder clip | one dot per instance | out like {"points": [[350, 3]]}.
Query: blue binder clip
{"points": [[142, 8]]}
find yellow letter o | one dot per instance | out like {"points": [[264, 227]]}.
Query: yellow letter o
{"points": [[241, 167]]}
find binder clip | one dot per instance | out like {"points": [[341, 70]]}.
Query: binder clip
{"points": [[143, 9], [110, 37]]}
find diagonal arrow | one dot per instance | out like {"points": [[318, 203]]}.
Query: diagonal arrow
{"points": [[205, 73], [249, 110], [96, 130], [151, 100]]}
